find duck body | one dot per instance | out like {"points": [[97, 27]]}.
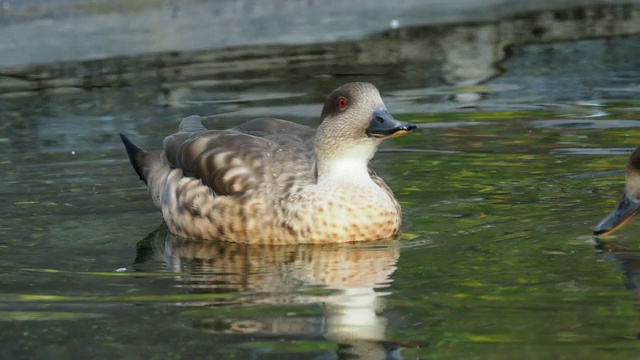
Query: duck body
{"points": [[271, 181]]}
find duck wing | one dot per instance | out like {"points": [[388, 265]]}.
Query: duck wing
{"points": [[240, 159]]}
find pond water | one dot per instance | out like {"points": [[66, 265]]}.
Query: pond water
{"points": [[500, 187]]}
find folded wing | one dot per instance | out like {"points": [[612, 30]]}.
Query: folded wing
{"points": [[239, 160]]}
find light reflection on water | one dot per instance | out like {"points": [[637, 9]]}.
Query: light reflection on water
{"points": [[496, 257]]}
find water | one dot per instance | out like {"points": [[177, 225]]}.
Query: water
{"points": [[500, 188]]}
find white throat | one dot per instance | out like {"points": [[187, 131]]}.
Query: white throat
{"points": [[351, 166]]}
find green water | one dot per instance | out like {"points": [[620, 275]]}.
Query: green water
{"points": [[496, 260]]}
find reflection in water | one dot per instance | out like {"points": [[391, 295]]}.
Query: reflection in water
{"points": [[628, 260], [345, 279]]}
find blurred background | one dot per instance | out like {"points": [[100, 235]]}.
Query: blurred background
{"points": [[458, 42]]}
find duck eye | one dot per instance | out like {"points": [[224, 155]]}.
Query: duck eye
{"points": [[342, 103]]}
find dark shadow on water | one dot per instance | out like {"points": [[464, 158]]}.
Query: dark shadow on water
{"points": [[348, 282], [627, 259]]}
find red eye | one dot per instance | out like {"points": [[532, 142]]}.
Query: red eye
{"points": [[342, 103]]}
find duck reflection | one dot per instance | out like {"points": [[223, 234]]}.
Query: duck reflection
{"points": [[346, 280], [628, 260]]}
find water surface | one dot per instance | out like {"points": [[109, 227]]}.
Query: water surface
{"points": [[500, 188]]}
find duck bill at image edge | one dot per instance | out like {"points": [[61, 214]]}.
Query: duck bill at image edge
{"points": [[625, 211]]}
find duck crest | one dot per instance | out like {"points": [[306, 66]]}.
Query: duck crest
{"points": [[271, 181]]}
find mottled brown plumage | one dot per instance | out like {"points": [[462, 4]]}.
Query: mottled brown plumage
{"points": [[265, 269], [271, 181]]}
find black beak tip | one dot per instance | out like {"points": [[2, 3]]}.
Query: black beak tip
{"points": [[604, 226], [410, 127], [599, 231]]}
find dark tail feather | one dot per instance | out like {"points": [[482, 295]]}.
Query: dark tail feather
{"points": [[136, 156]]}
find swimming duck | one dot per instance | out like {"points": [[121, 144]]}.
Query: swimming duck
{"points": [[629, 206], [271, 181]]}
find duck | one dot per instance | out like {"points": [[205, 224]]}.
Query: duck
{"points": [[275, 182], [629, 206]]}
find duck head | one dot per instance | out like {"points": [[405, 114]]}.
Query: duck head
{"points": [[354, 121], [629, 205]]}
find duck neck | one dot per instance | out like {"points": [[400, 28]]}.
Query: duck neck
{"points": [[345, 165]]}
